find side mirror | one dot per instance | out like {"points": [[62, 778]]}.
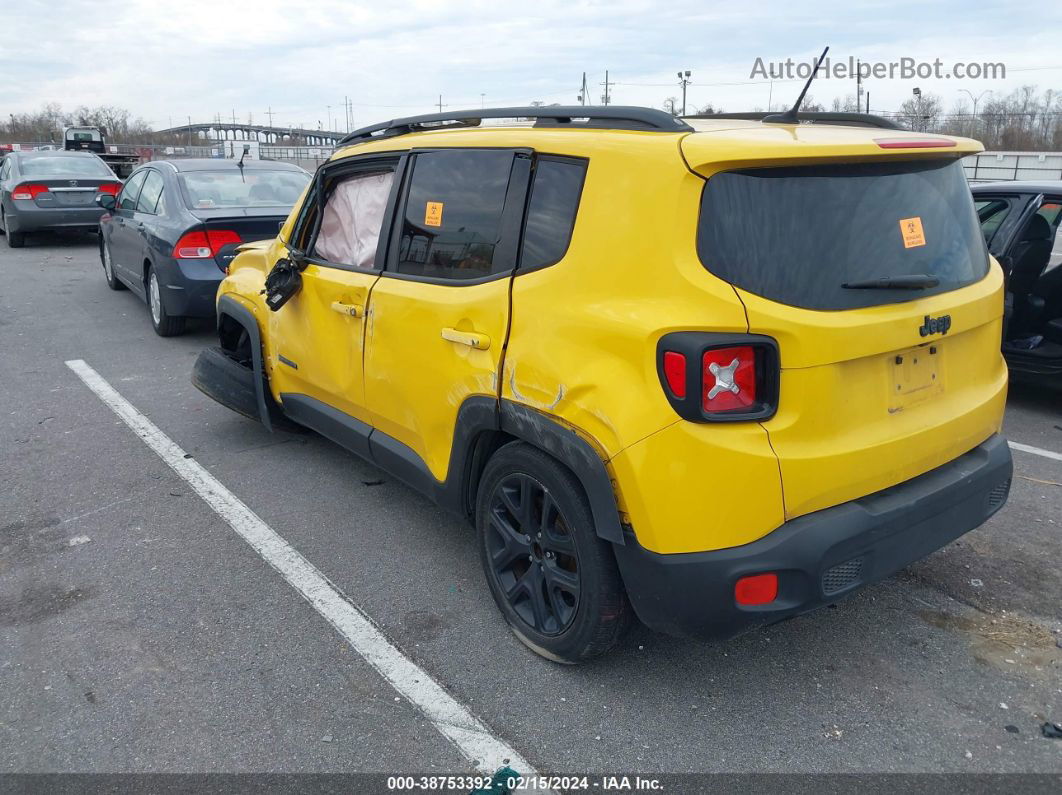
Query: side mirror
{"points": [[107, 201]]}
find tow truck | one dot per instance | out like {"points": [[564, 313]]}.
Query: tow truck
{"points": [[121, 158]]}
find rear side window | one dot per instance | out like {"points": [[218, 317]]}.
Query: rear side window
{"points": [[797, 235], [149, 194], [551, 211], [453, 214]]}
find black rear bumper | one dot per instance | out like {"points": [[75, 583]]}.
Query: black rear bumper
{"points": [[821, 557]]}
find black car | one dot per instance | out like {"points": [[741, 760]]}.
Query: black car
{"points": [[171, 232], [52, 190], [1020, 223]]}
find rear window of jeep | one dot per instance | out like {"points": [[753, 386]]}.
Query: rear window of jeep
{"points": [[797, 235]]}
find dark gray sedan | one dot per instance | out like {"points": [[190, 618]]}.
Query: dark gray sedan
{"points": [[52, 190], [171, 232]]}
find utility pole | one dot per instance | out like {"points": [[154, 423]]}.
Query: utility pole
{"points": [[482, 100], [582, 91], [684, 80], [440, 103], [605, 97], [189, 130], [329, 107], [269, 113], [868, 102], [859, 87], [234, 117]]}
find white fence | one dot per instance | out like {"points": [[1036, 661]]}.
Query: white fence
{"points": [[1010, 166]]}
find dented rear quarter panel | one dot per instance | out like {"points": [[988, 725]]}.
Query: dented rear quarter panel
{"points": [[582, 349]]}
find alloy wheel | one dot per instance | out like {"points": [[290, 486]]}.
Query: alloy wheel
{"points": [[532, 554], [154, 299]]}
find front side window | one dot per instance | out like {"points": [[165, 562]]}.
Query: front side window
{"points": [[127, 199], [353, 216], [453, 214], [150, 193], [816, 236], [551, 210]]}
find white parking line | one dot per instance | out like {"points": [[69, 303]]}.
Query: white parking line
{"points": [[1025, 448], [472, 738]]}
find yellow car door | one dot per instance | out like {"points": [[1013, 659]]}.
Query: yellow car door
{"points": [[316, 340], [438, 317]]}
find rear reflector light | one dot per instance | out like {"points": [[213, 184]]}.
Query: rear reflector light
{"points": [[30, 191], [729, 380], [112, 188], [758, 589], [913, 143], [203, 244], [675, 373]]}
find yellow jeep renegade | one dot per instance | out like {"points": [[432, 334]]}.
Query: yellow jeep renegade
{"points": [[715, 372]]}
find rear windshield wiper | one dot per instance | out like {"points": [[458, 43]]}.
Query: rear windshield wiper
{"points": [[909, 281]]}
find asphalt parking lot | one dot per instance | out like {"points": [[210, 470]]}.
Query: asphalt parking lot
{"points": [[139, 632]]}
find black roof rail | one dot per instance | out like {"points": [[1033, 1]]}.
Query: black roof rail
{"points": [[846, 119], [603, 117]]}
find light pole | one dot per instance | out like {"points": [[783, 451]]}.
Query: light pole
{"points": [[918, 95], [973, 126], [684, 80]]}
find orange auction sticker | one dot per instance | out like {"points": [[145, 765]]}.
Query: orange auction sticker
{"points": [[911, 229], [433, 214]]}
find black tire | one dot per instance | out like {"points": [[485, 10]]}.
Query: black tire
{"points": [[108, 267], [555, 582], [165, 325], [15, 239]]}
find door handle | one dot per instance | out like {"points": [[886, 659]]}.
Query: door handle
{"points": [[470, 338], [354, 310]]}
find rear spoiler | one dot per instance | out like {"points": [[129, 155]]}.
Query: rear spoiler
{"points": [[843, 119]]}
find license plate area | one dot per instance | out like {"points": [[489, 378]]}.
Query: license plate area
{"points": [[915, 376], [76, 198]]}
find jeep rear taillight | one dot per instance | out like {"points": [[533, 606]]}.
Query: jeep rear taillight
{"points": [[713, 377], [729, 378]]}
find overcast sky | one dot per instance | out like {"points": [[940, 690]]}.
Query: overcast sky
{"points": [[170, 60]]}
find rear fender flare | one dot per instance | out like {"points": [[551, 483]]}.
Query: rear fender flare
{"points": [[574, 452], [230, 307]]}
